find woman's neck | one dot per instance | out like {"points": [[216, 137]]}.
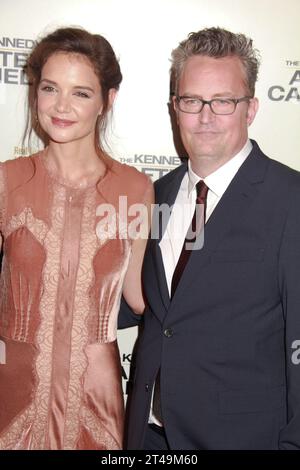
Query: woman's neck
{"points": [[74, 161]]}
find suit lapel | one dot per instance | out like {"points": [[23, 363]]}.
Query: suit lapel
{"points": [[233, 205], [165, 194]]}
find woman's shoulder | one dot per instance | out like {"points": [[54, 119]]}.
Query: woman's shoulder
{"points": [[130, 178], [19, 169], [20, 163]]}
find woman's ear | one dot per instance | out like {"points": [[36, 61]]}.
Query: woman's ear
{"points": [[111, 97]]}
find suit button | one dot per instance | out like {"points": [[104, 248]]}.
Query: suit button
{"points": [[168, 332], [147, 387]]}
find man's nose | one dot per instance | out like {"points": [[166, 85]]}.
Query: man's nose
{"points": [[206, 114]]}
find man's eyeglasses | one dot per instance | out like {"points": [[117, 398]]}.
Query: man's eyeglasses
{"points": [[220, 106]]}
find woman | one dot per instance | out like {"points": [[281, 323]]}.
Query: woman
{"points": [[68, 256]]}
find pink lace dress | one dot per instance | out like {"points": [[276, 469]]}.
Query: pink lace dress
{"points": [[60, 290]]}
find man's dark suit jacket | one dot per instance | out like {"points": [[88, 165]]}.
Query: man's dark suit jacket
{"points": [[225, 344]]}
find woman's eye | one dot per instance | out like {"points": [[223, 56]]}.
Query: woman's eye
{"points": [[82, 94], [48, 88]]}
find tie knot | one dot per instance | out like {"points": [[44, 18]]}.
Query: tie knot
{"points": [[202, 191]]}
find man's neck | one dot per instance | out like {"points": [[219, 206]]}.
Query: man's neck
{"points": [[206, 165]]}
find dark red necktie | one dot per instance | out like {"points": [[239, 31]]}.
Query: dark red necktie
{"points": [[187, 247], [195, 227]]}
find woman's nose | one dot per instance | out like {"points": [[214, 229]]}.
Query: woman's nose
{"points": [[62, 103]]}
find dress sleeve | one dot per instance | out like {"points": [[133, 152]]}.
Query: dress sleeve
{"points": [[3, 197]]}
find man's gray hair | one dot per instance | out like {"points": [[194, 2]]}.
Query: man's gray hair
{"points": [[217, 43]]}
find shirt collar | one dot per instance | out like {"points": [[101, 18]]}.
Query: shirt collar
{"points": [[219, 180]]}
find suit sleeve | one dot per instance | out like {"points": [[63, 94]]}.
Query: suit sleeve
{"points": [[126, 316], [290, 284]]}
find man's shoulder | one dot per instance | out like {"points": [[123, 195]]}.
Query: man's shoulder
{"points": [[283, 174], [277, 171]]}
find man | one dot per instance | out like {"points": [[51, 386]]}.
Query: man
{"points": [[221, 335]]}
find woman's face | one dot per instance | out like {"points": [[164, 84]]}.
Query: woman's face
{"points": [[69, 98]]}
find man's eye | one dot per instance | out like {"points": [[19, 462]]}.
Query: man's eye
{"points": [[222, 102], [191, 101]]}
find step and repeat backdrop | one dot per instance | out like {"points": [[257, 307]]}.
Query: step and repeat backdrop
{"points": [[143, 34]]}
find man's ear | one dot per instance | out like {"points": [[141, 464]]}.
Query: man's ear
{"points": [[175, 107], [252, 110]]}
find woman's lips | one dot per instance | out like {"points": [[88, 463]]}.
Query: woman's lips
{"points": [[62, 122]]}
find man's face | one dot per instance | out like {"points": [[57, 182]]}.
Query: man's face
{"points": [[209, 138]]}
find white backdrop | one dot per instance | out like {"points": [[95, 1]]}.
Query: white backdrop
{"points": [[143, 33]]}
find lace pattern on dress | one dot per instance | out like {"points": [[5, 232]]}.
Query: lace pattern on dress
{"points": [[48, 304], [26, 218], [78, 360]]}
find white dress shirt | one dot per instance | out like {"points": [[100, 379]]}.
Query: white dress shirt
{"points": [[183, 210], [184, 206]]}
